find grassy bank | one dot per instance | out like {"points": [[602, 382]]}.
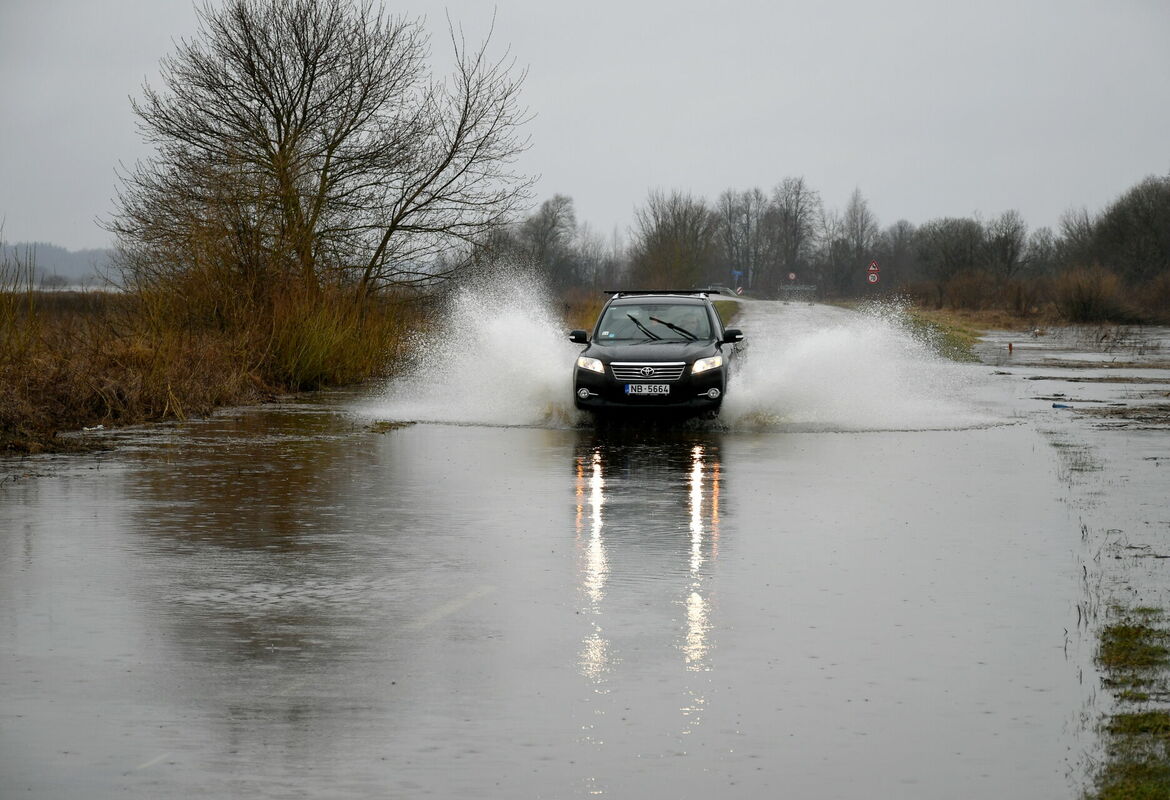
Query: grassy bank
{"points": [[74, 360], [951, 336], [1135, 656]]}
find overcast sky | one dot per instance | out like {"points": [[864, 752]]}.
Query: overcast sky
{"points": [[930, 108]]}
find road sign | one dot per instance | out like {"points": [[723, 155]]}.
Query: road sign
{"points": [[873, 267], [872, 277], [791, 276]]}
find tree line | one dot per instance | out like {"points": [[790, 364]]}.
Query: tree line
{"points": [[765, 241]]}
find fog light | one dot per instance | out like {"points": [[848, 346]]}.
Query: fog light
{"points": [[584, 393], [713, 393]]}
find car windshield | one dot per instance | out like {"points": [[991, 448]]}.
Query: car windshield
{"points": [[643, 321]]}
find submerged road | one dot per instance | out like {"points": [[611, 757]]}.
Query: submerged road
{"points": [[811, 601]]}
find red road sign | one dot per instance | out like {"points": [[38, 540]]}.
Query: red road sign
{"points": [[791, 276], [872, 277], [873, 267]]}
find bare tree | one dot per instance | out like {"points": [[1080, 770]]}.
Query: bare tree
{"points": [[547, 238], [1132, 235], [600, 261], [861, 229], [674, 242], [307, 140], [740, 222], [947, 247], [831, 256], [1005, 240], [790, 224], [1076, 228], [848, 243], [899, 263], [1041, 252]]}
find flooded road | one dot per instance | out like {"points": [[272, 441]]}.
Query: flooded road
{"points": [[820, 597]]}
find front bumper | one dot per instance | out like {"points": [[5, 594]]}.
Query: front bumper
{"points": [[690, 393]]}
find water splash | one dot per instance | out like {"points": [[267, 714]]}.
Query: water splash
{"points": [[811, 367], [500, 356]]}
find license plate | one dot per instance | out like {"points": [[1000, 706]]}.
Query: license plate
{"points": [[647, 388]]}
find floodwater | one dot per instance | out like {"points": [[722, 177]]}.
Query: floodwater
{"points": [[871, 579]]}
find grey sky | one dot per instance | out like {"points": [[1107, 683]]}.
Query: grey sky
{"points": [[930, 108]]}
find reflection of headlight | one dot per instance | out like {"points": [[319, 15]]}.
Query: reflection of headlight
{"points": [[704, 364], [591, 364]]}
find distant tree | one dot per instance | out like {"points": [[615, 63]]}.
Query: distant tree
{"points": [[896, 254], [75, 266], [1132, 236], [790, 226], [1041, 253], [547, 238], [306, 140], [1005, 240], [860, 228], [674, 242], [831, 254], [848, 244], [602, 261], [947, 247], [740, 234], [1076, 239]]}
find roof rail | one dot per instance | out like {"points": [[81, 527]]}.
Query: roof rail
{"points": [[622, 292]]}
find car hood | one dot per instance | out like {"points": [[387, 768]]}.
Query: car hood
{"points": [[652, 351]]}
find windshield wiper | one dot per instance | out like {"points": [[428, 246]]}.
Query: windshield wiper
{"points": [[643, 328], [674, 327]]}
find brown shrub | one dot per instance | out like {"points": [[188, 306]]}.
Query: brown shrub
{"points": [[150, 356], [973, 290], [1154, 299], [1090, 294]]}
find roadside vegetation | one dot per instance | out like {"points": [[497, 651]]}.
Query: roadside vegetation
{"points": [[1134, 654], [949, 335], [70, 360]]}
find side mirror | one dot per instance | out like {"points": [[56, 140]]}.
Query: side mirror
{"points": [[732, 335], [580, 337]]}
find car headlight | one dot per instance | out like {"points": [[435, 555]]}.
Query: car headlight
{"points": [[591, 364], [704, 364]]}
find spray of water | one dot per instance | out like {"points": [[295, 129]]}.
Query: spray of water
{"points": [[822, 368], [499, 355]]}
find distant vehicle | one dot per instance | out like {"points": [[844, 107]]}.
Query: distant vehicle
{"points": [[663, 352]]}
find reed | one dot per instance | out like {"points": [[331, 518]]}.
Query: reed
{"points": [[177, 347]]}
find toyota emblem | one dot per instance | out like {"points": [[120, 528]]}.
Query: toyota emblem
{"points": [[647, 372]]}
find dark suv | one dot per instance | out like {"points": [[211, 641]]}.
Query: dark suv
{"points": [[665, 351]]}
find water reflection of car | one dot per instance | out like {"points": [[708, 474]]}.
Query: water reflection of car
{"points": [[665, 352]]}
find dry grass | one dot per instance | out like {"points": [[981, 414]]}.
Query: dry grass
{"points": [[1092, 295], [986, 319], [580, 307], [171, 351], [1077, 295]]}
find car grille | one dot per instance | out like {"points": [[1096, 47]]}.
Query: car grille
{"points": [[638, 371]]}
